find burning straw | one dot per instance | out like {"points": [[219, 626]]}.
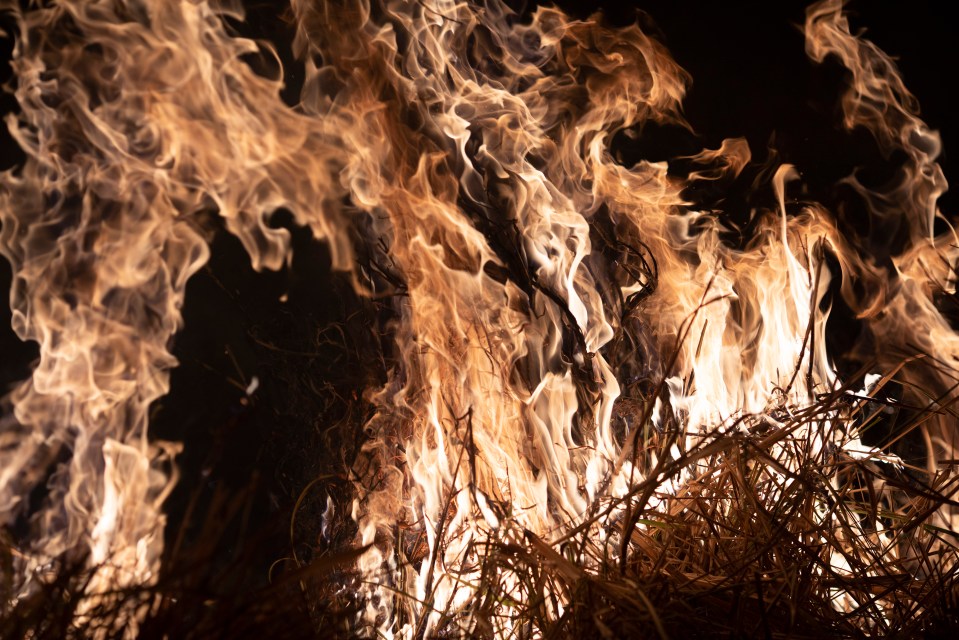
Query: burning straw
{"points": [[600, 416]]}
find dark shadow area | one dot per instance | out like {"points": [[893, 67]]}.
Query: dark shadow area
{"points": [[268, 395]]}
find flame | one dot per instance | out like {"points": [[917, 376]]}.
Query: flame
{"points": [[538, 283]]}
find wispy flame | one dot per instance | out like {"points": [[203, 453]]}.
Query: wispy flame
{"points": [[540, 286]]}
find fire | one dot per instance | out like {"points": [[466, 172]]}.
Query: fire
{"points": [[540, 287]]}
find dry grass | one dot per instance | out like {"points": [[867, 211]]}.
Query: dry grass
{"points": [[743, 549], [208, 588], [746, 548]]}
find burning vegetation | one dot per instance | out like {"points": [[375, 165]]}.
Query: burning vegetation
{"points": [[549, 392]]}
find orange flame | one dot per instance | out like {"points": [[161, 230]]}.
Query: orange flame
{"points": [[474, 150]]}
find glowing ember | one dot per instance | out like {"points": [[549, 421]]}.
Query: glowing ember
{"points": [[585, 363]]}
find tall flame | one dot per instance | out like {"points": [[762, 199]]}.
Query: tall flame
{"points": [[539, 285]]}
